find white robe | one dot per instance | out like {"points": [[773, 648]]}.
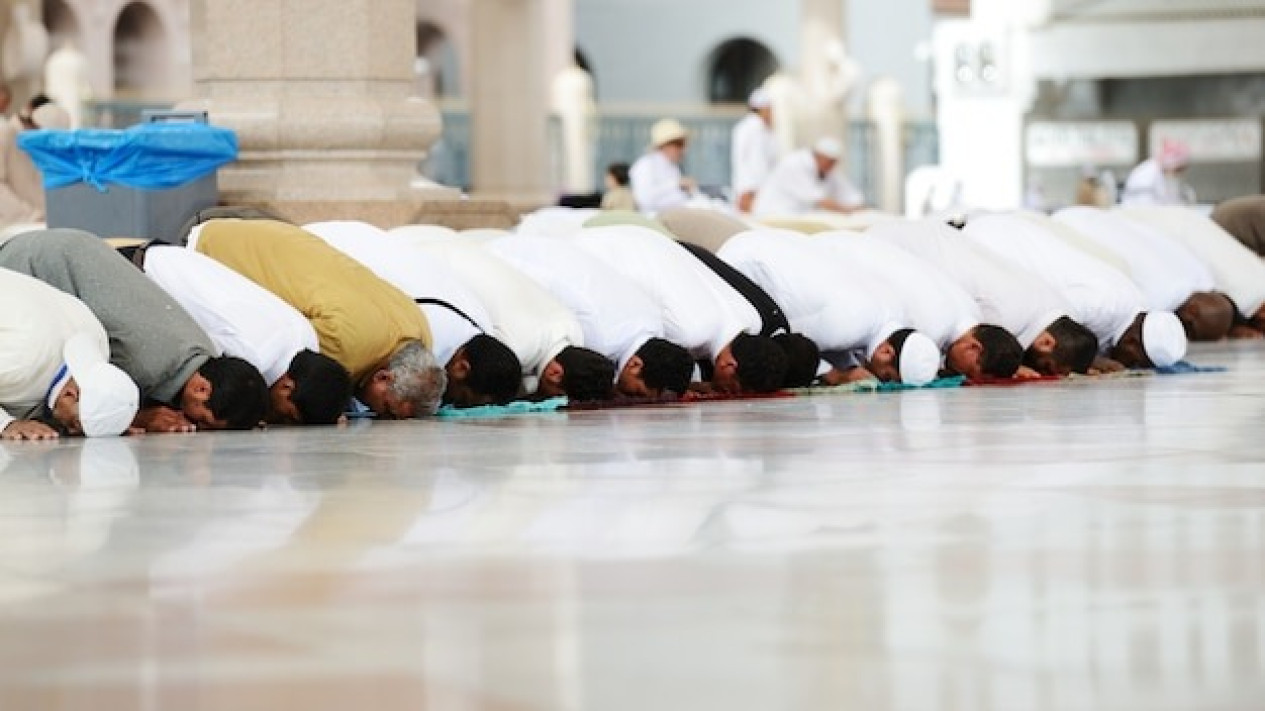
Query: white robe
{"points": [[1148, 185], [616, 314], [1166, 272], [795, 187], [699, 311], [242, 318], [1101, 298], [1006, 295], [36, 320], [753, 154], [656, 183], [837, 305], [418, 275], [1236, 270]]}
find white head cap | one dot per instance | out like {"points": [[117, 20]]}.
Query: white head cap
{"points": [[760, 99], [666, 131], [828, 147], [1163, 338], [919, 360], [108, 399]]}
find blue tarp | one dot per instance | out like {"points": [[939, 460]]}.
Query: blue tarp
{"points": [[148, 156]]}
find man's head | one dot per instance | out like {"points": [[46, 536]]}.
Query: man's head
{"points": [[1065, 346], [484, 371], [1154, 340], [410, 385], [313, 391], [905, 357], [225, 393], [761, 104], [750, 364], [827, 152], [802, 358], [668, 136], [617, 176], [1206, 316], [657, 368], [985, 351], [89, 396], [580, 374]]}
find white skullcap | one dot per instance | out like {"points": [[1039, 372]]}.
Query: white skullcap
{"points": [[919, 360], [828, 147], [759, 99], [108, 399], [1163, 338]]}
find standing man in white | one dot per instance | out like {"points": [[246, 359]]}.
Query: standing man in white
{"points": [[753, 150]]}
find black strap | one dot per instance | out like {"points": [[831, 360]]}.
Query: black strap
{"points": [[422, 300]]}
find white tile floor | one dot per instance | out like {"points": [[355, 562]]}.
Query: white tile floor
{"points": [[1082, 545]]}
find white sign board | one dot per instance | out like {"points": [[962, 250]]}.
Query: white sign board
{"points": [[1050, 144], [1212, 141]]}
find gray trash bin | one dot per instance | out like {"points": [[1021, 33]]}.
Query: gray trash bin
{"points": [[122, 211]]}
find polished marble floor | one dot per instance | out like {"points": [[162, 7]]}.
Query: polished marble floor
{"points": [[1080, 545]]}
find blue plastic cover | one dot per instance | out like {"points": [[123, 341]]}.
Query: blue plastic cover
{"points": [[148, 156]]}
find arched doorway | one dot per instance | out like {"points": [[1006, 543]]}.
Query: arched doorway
{"points": [[436, 65], [141, 53], [61, 22], [736, 68]]}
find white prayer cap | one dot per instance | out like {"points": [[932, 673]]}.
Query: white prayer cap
{"points": [[108, 399], [1163, 338], [666, 131], [760, 99], [828, 147], [919, 360], [50, 116]]}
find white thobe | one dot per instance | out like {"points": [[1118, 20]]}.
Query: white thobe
{"points": [[796, 187], [1165, 271], [753, 154], [242, 318], [525, 317], [616, 314], [1101, 298], [1006, 295], [418, 275], [1148, 185], [1236, 270], [840, 307], [933, 304], [656, 183], [36, 320], [699, 311]]}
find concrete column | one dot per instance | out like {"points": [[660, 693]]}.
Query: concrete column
{"points": [[516, 50], [827, 74], [886, 110], [320, 93]]}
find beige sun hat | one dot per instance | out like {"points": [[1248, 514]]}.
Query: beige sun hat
{"points": [[666, 131]]}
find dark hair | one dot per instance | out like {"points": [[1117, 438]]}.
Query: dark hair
{"points": [[802, 358], [586, 375], [37, 101], [1075, 346], [618, 171], [761, 363], [322, 387], [239, 395], [494, 369], [1001, 353], [897, 340], [665, 366]]}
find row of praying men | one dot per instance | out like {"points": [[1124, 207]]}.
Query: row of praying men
{"points": [[254, 320]]}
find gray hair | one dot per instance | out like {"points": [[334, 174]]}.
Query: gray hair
{"points": [[417, 377]]}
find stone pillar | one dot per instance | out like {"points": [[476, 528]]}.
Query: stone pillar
{"points": [[320, 93], [827, 72], [886, 110], [515, 53]]}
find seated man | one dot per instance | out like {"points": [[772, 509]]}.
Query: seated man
{"points": [[861, 329], [373, 329], [1005, 294], [542, 333], [152, 339], [619, 320], [1169, 275], [249, 322], [1100, 296], [481, 369], [54, 364], [700, 311], [808, 180], [933, 304], [1236, 271]]}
